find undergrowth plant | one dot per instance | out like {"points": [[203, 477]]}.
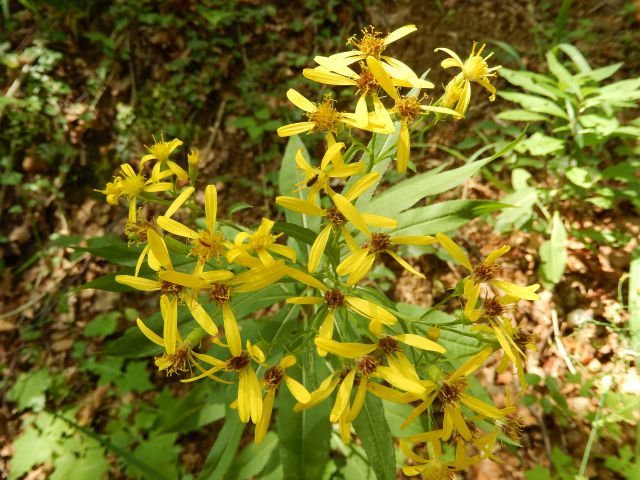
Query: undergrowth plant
{"points": [[326, 353]]}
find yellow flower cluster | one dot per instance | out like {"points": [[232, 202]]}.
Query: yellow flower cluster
{"points": [[368, 347]]}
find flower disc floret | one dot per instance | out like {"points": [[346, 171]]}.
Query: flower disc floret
{"points": [[450, 392], [513, 427], [389, 345], [170, 288], [174, 362], [334, 298], [220, 293], [371, 43], [207, 245], [484, 272], [238, 362], [366, 81], [408, 107], [380, 242], [335, 217], [325, 118], [367, 365], [492, 308], [273, 376]]}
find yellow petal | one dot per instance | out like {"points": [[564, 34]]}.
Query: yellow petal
{"points": [[351, 213], [297, 390], [267, 407], [326, 77], [295, 129], [178, 170], [325, 331], [514, 290], [371, 310], [358, 401], [345, 350], [211, 207], [184, 279], [179, 201], [344, 392], [244, 401], [305, 300], [159, 249], [300, 101], [453, 55], [169, 311], [398, 380], [379, 221], [317, 249], [404, 140], [413, 240], [287, 361], [472, 364], [300, 206], [419, 342], [138, 283], [390, 394], [382, 77], [403, 262], [231, 331], [202, 317], [361, 185], [305, 278], [362, 114], [399, 33], [172, 226], [497, 253], [361, 270], [454, 250], [481, 407], [150, 334]]}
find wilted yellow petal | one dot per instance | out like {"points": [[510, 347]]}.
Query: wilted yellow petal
{"points": [[342, 399], [454, 250]]}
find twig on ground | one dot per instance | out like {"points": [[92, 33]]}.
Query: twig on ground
{"points": [[561, 350]]}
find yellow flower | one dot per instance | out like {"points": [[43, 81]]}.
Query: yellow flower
{"points": [[331, 166], [249, 401], [335, 299], [262, 242], [435, 468], [473, 69], [336, 219], [452, 392], [372, 44], [323, 117], [131, 185], [485, 272], [493, 312], [205, 244], [173, 284], [332, 72], [160, 151], [358, 263], [272, 379]]}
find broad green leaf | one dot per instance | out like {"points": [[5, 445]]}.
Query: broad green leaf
{"points": [[567, 81], [159, 450], [443, 216], [634, 299], [201, 406], [576, 57], [538, 473], [521, 202], [540, 144], [108, 283], [29, 389], [518, 115], [396, 414], [303, 436], [253, 459], [603, 73], [357, 465], [102, 325], [29, 449], [531, 82], [408, 192], [113, 249], [553, 252], [583, 177], [372, 428], [224, 449], [89, 465], [535, 103]]}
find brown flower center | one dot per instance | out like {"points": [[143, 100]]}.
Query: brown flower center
{"points": [[523, 337], [367, 365], [492, 308], [513, 427], [450, 392], [207, 246], [380, 242], [136, 231], [334, 298], [273, 377], [366, 82], [389, 345], [238, 363], [335, 217], [484, 272], [169, 288], [173, 363], [220, 293]]}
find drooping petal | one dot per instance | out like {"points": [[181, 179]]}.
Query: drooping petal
{"points": [[413, 240], [454, 250], [358, 401], [514, 290], [325, 331], [202, 317], [481, 407], [472, 364], [362, 114], [138, 283], [379, 221], [231, 331], [382, 77], [211, 207], [326, 77], [419, 342], [159, 249], [169, 311], [404, 263], [267, 407], [497, 253], [403, 148], [179, 201], [351, 213], [183, 279], [454, 56], [172, 226], [295, 129], [361, 185], [345, 350], [317, 249], [150, 334], [342, 399], [399, 33], [300, 206], [370, 310], [297, 390], [300, 101]]}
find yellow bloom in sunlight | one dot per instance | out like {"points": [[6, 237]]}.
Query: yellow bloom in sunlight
{"points": [[358, 263], [452, 393], [174, 287], [434, 467], [335, 299], [206, 244], [492, 312], [331, 166], [249, 401], [131, 185], [485, 272], [372, 44], [322, 117], [332, 72], [272, 379], [337, 222], [160, 151], [473, 69], [262, 242]]}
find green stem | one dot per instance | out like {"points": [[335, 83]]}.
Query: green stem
{"points": [[596, 426]]}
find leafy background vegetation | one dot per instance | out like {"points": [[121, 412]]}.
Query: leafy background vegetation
{"points": [[86, 84]]}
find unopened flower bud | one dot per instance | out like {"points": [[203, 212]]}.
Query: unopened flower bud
{"points": [[193, 158], [433, 333]]}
